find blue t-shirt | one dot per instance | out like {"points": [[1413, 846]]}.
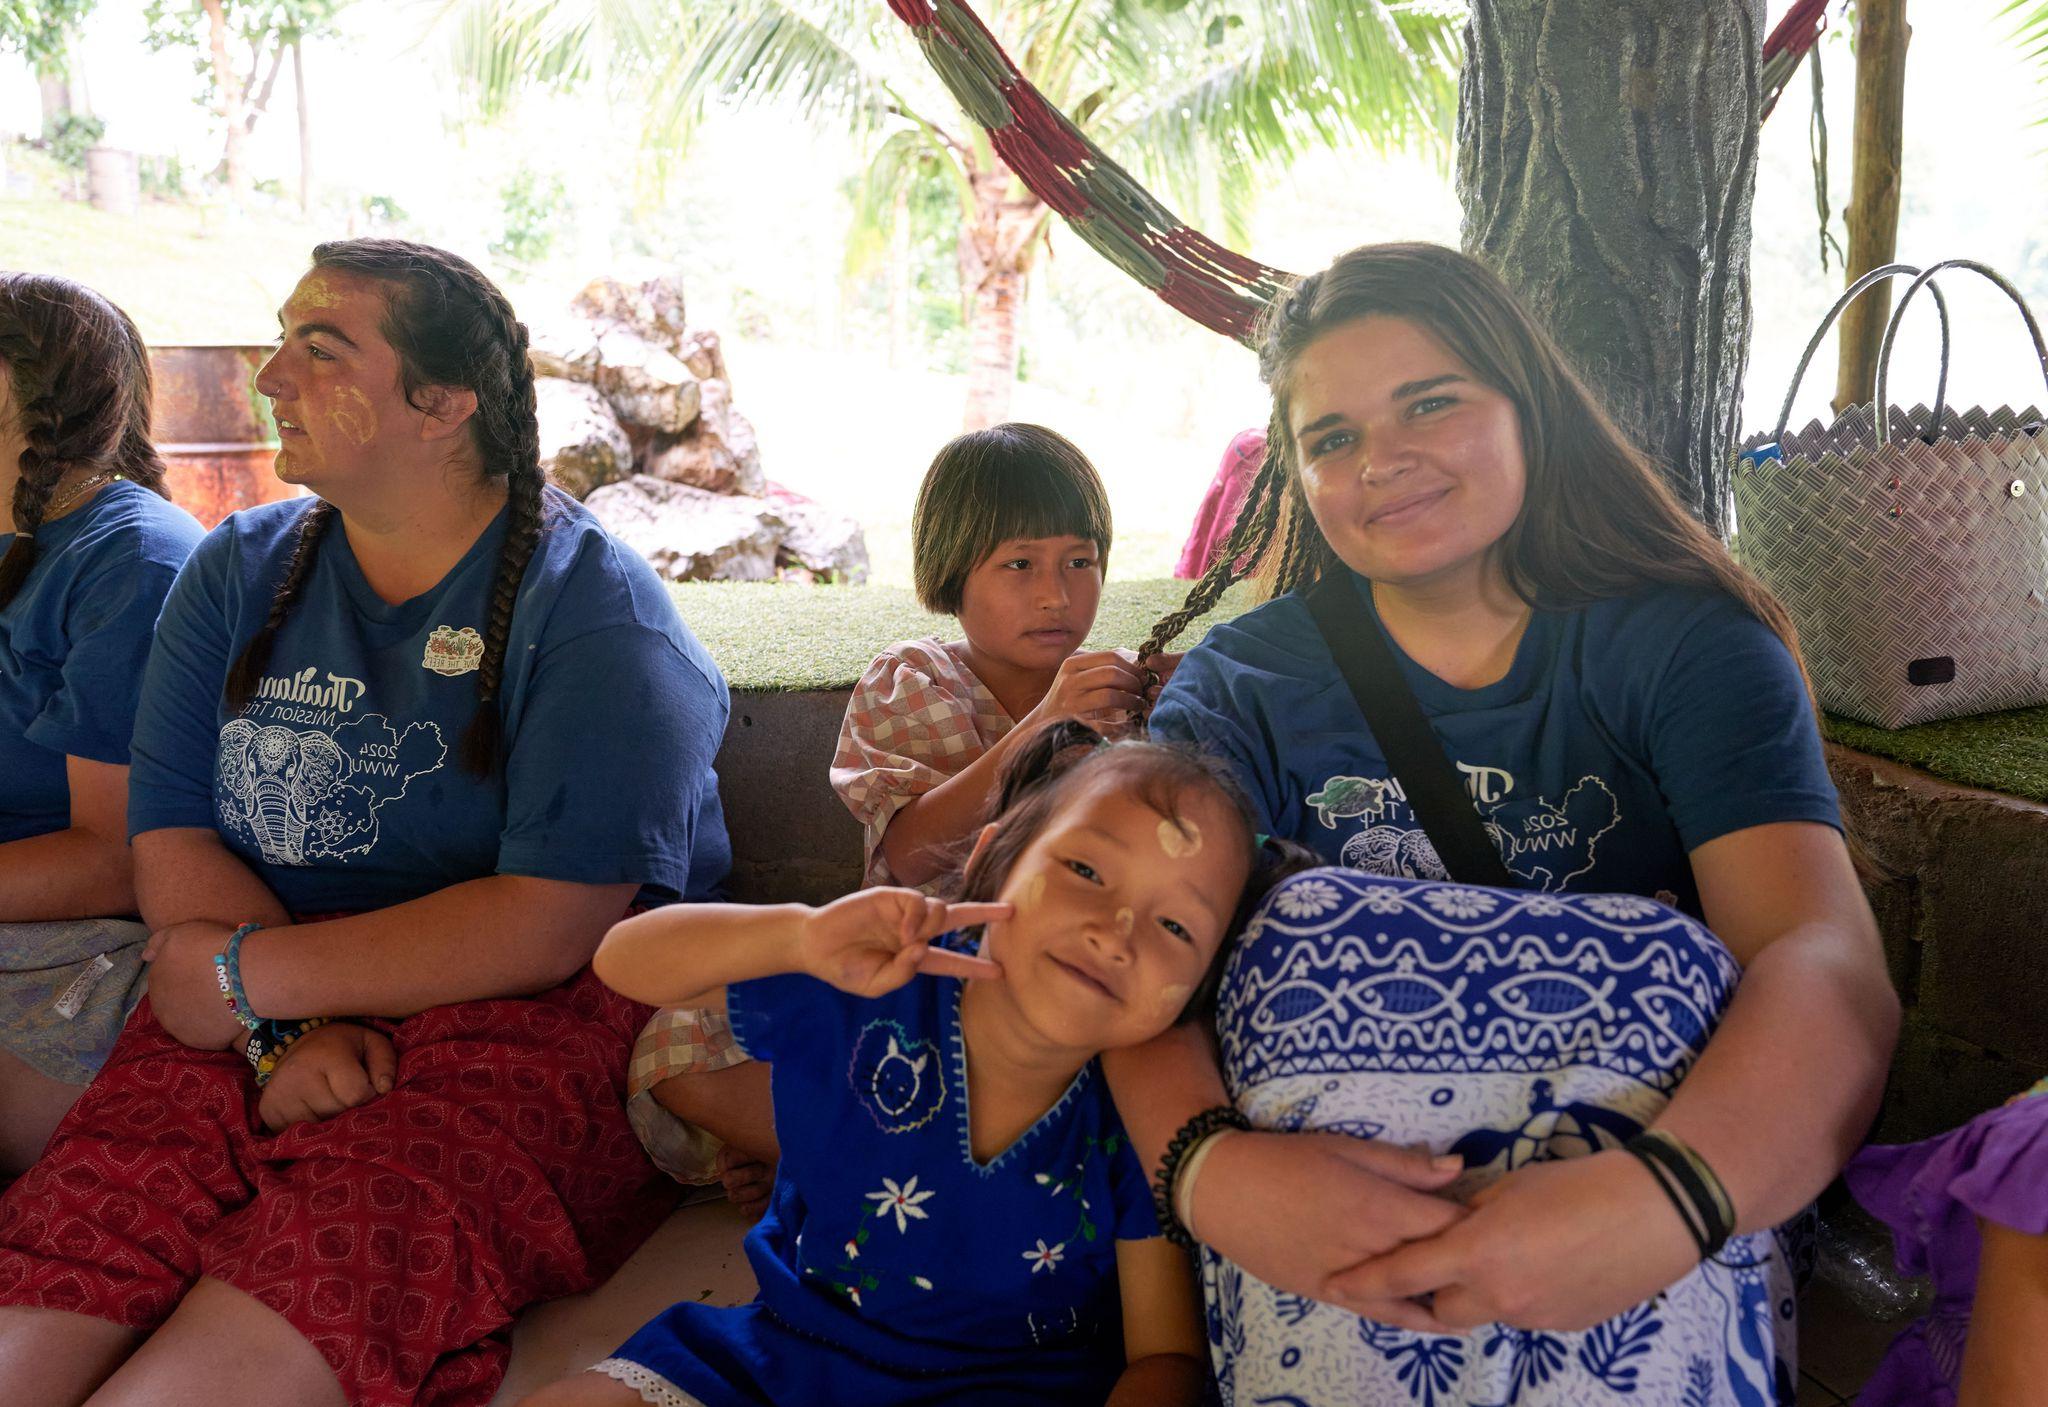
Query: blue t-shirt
{"points": [[72, 643], [1626, 734], [340, 784], [886, 1239]]}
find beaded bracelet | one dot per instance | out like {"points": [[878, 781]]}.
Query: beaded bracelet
{"points": [[271, 1039], [1192, 1133], [227, 972], [1695, 1192]]}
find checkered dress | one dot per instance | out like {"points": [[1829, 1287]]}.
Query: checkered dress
{"points": [[918, 716]]}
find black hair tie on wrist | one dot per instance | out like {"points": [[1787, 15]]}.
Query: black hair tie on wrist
{"points": [[1696, 1193], [1191, 1134]]}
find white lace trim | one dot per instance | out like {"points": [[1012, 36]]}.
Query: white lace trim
{"points": [[651, 1386]]}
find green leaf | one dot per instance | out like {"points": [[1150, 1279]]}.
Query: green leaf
{"points": [[860, 1237]]}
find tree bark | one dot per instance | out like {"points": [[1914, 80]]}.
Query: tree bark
{"points": [[54, 89], [1607, 156], [995, 266], [1873, 216]]}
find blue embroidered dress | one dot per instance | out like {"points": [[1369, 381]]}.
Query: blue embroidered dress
{"points": [[895, 1270], [1508, 1027]]}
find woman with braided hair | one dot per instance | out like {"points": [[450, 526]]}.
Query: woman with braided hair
{"points": [[89, 544], [1576, 1116], [410, 745]]}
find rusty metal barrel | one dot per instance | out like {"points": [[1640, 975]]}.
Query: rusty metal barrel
{"points": [[214, 431]]}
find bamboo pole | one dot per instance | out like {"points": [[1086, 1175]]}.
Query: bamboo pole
{"points": [[1873, 215]]}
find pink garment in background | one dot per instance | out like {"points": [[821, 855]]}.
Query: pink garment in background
{"points": [[1218, 513]]}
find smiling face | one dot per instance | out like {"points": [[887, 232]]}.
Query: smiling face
{"points": [[1116, 921], [343, 421], [1031, 602], [1412, 466]]}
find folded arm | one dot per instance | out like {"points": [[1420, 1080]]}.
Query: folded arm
{"points": [[82, 871]]}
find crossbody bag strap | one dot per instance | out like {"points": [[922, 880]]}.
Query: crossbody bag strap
{"points": [[1436, 793]]}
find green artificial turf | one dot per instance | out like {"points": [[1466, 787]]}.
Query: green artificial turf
{"points": [[2003, 752], [778, 639]]}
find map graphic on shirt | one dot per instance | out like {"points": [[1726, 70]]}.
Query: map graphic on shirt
{"points": [[304, 794], [1544, 843]]}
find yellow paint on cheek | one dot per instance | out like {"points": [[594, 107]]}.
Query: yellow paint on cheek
{"points": [[1173, 995], [352, 416], [1181, 840], [1030, 894], [1125, 919]]}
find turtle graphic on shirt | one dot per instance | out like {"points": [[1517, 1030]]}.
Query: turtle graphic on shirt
{"points": [[1354, 798]]}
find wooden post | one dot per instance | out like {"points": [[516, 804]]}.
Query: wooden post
{"points": [[1873, 216]]}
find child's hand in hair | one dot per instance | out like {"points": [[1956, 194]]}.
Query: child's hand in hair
{"points": [[1099, 687], [327, 1072], [872, 942], [1159, 673]]}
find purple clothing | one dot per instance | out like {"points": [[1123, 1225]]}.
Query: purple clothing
{"points": [[1932, 1194]]}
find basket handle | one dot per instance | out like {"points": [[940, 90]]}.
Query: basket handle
{"points": [[1884, 348], [1849, 295]]}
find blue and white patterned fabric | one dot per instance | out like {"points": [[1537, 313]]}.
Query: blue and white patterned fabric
{"points": [[1508, 1027]]}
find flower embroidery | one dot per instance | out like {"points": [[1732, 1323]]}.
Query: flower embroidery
{"points": [[1461, 903], [1046, 1257], [1382, 900], [920, 1282], [1307, 899], [1542, 908], [1619, 906], [903, 1201]]}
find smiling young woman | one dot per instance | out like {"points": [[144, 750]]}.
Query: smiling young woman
{"points": [[1626, 706]]}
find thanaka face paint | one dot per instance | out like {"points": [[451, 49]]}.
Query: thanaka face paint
{"points": [[1173, 996], [314, 291], [352, 416], [1180, 840], [1125, 920]]}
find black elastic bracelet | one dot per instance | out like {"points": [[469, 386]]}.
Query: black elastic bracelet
{"points": [[1695, 1192], [1209, 1121]]}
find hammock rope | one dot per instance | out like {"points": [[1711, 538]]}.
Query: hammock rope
{"points": [[1118, 218]]}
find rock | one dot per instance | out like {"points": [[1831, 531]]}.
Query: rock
{"points": [[650, 301], [819, 542], [718, 453], [687, 534], [648, 385], [565, 347], [582, 446], [702, 352]]}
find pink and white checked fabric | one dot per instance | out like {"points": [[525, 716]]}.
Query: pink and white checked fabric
{"points": [[918, 716]]}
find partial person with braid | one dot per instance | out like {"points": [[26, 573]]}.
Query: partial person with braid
{"points": [[1627, 709], [89, 545], [408, 747]]}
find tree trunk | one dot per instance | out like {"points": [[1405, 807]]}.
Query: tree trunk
{"points": [[305, 130], [1607, 164], [995, 265], [54, 87], [1873, 215], [227, 103]]}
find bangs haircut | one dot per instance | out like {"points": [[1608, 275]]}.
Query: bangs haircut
{"points": [[992, 486]]}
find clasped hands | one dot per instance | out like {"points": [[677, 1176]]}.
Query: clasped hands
{"points": [[325, 1072], [1372, 1228]]}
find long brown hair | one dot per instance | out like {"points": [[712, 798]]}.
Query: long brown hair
{"points": [[1597, 520], [80, 376], [450, 326]]}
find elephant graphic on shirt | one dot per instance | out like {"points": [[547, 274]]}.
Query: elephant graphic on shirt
{"points": [[299, 794]]}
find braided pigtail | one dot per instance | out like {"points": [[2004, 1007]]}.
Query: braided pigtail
{"points": [[248, 668], [1241, 553], [41, 468], [79, 374]]}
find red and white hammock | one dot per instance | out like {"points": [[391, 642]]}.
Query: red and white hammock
{"points": [[1117, 217]]}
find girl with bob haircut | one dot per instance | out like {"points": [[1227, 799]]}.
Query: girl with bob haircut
{"points": [[1011, 536], [373, 1103], [89, 545], [1627, 709], [958, 1217]]}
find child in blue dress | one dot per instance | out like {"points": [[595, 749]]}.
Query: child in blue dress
{"points": [[958, 1216]]}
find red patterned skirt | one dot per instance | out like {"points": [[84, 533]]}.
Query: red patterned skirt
{"points": [[400, 1237]]}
